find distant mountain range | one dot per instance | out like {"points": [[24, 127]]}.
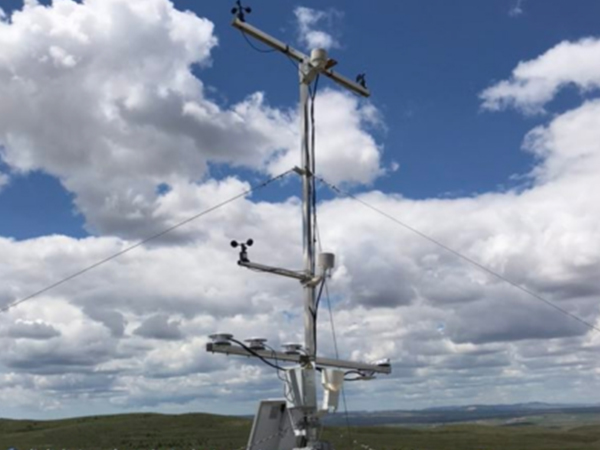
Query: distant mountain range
{"points": [[457, 414], [512, 407]]}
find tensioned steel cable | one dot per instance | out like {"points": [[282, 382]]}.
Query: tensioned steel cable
{"points": [[145, 240], [456, 253]]}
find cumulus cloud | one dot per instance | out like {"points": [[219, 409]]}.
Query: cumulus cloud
{"points": [[346, 150], [32, 330], [535, 83], [159, 327], [131, 333], [308, 20], [101, 95]]}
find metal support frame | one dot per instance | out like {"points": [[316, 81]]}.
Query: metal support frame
{"points": [[309, 361], [300, 359], [298, 56], [300, 276]]}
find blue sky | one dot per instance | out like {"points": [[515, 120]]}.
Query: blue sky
{"points": [[119, 118], [427, 63]]}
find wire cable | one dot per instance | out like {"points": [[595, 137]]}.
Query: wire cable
{"points": [[287, 390], [315, 312], [144, 241], [269, 50], [313, 128], [456, 253], [252, 352], [258, 49]]}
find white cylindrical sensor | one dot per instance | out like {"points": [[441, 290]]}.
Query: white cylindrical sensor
{"points": [[318, 58], [326, 261]]}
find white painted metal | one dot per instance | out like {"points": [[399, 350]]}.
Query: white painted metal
{"points": [[301, 391], [269, 40], [276, 270], [299, 56], [308, 186], [326, 261], [256, 343], [332, 381], [297, 358], [273, 427], [318, 58], [221, 338]]}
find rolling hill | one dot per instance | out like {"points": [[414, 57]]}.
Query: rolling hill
{"points": [[574, 431]]}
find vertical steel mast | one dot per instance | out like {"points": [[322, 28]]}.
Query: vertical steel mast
{"points": [[308, 214], [301, 387]]}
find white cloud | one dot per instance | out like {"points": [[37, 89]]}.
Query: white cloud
{"points": [[517, 9], [159, 327], [4, 180], [308, 20], [396, 295], [106, 341], [32, 330], [535, 83], [345, 150], [101, 95]]}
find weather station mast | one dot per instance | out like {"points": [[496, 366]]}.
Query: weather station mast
{"points": [[294, 423]]}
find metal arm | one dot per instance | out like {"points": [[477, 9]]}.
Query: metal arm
{"points": [[276, 270], [295, 358], [265, 38]]}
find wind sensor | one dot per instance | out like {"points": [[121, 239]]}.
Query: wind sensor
{"points": [[294, 423], [240, 11]]}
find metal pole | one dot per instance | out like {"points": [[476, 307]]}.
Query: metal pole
{"points": [[307, 72], [312, 420], [308, 215]]}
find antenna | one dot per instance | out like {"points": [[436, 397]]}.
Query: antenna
{"points": [[301, 390]]}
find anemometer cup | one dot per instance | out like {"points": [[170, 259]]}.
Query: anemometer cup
{"points": [[236, 244]]}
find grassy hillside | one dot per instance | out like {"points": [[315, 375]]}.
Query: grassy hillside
{"points": [[474, 437], [200, 431], [139, 431]]}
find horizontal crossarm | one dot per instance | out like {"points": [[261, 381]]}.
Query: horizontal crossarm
{"points": [[269, 40], [296, 358], [265, 38], [276, 270]]}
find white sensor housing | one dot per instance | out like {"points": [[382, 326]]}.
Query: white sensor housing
{"points": [[326, 261], [221, 338], [318, 58], [292, 349], [256, 343], [332, 381]]}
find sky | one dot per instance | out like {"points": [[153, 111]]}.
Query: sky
{"points": [[122, 118]]}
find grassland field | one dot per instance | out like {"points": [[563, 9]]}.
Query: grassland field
{"points": [[210, 432]]}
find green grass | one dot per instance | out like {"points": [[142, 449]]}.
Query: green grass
{"points": [[130, 431], [202, 431], [474, 437]]}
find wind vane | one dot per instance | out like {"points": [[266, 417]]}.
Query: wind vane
{"points": [[294, 423]]}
